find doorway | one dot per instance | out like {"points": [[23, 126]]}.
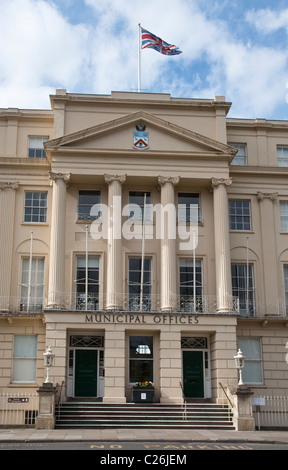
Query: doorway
{"points": [[86, 371], [193, 374]]}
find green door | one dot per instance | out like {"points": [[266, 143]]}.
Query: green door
{"points": [[86, 373], [193, 377]]}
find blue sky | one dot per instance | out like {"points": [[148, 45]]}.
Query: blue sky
{"points": [[234, 48]]}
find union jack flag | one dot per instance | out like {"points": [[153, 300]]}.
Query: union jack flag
{"points": [[153, 42]]}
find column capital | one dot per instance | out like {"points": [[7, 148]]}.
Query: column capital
{"points": [[217, 181], [8, 185], [271, 196], [168, 179], [110, 178], [59, 176]]}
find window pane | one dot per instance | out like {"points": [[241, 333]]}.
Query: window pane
{"points": [[282, 154], [251, 348], [25, 346], [36, 147], [184, 212], [141, 358], [136, 204], [86, 200], [239, 214], [141, 347], [92, 300], [286, 286], [241, 156], [284, 215], [35, 209], [36, 285], [134, 284], [24, 358], [239, 287], [24, 370]]}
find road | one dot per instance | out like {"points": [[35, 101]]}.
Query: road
{"points": [[175, 451]]}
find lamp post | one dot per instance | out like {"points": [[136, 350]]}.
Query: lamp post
{"points": [[48, 362], [240, 362]]}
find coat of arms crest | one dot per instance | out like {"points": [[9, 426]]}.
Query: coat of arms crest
{"points": [[141, 138]]}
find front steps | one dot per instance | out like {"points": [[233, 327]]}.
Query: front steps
{"points": [[89, 415]]}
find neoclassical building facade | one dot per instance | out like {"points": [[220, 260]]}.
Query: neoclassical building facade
{"points": [[143, 237]]}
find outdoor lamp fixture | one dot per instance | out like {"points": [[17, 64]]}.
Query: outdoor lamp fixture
{"points": [[48, 362], [240, 362]]}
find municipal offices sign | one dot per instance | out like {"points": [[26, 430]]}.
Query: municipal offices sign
{"points": [[164, 319]]}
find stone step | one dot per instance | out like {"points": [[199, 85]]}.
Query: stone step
{"points": [[156, 415]]}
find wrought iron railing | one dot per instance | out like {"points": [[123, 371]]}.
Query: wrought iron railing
{"points": [[135, 303]]}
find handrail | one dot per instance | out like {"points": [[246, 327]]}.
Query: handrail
{"points": [[59, 398], [185, 402], [231, 404]]}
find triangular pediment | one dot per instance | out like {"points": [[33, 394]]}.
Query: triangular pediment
{"points": [[139, 132]]}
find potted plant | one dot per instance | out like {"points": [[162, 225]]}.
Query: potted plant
{"points": [[143, 392]]}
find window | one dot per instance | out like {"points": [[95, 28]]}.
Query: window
{"points": [[139, 293], [241, 156], [86, 200], [32, 284], [286, 286], [87, 294], [141, 359], [185, 213], [24, 359], [186, 267], [136, 206], [239, 214], [284, 215], [251, 349], [243, 288], [36, 147], [282, 155], [35, 209]]}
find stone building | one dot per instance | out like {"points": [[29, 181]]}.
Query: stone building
{"points": [[79, 186]]}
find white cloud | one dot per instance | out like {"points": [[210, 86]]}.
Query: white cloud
{"points": [[268, 21], [45, 50], [42, 50]]}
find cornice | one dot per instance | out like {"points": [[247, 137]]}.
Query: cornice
{"points": [[144, 99]]}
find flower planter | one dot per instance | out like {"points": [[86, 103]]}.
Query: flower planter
{"points": [[142, 394]]}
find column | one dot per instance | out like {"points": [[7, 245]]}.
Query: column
{"points": [[7, 212], [168, 243], [222, 244], [57, 243], [270, 295], [114, 292]]}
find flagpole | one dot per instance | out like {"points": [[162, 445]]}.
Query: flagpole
{"points": [[143, 254], [30, 272], [139, 59], [247, 276], [86, 270]]}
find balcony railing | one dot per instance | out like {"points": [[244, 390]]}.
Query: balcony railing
{"points": [[136, 303], [117, 302]]}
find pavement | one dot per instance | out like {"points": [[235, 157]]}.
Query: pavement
{"points": [[150, 435]]}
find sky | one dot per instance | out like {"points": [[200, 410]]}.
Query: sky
{"points": [[234, 48]]}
